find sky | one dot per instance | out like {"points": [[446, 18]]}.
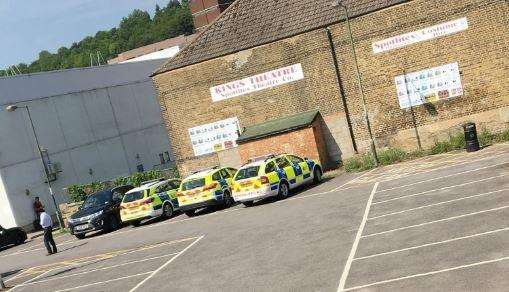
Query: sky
{"points": [[30, 26]]}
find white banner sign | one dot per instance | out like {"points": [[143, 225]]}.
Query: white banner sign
{"points": [[215, 136], [257, 82], [429, 85], [428, 33]]}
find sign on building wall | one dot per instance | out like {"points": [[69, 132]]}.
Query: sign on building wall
{"points": [[429, 85], [257, 82], [425, 34], [215, 136]]}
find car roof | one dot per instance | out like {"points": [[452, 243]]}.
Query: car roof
{"points": [[202, 173], [256, 163], [149, 186]]}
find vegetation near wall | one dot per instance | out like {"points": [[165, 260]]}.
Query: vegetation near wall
{"points": [[134, 31], [78, 193]]}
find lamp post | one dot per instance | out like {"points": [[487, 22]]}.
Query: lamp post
{"points": [[12, 108], [337, 3]]}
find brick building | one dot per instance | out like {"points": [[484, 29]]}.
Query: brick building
{"points": [[261, 61], [206, 11]]}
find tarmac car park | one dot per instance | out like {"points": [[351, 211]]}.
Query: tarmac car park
{"points": [[10, 236], [210, 187], [153, 199], [272, 175]]}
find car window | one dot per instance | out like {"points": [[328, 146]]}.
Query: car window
{"points": [[247, 172], [295, 159], [270, 167], [225, 174], [193, 184], [282, 162], [163, 188], [232, 171], [97, 199], [134, 196], [174, 184], [216, 176], [117, 195]]}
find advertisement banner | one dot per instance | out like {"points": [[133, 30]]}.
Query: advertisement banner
{"points": [[257, 82], [215, 136], [425, 34], [429, 85]]}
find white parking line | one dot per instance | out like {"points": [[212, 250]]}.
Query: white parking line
{"points": [[104, 282], [433, 243], [427, 274], [437, 204], [441, 177], [436, 221], [430, 192], [95, 270], [30, 249], [353, 250], [152, 274]]}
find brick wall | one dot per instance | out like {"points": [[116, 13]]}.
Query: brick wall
{"points": [[481, 52], [306, 142]]}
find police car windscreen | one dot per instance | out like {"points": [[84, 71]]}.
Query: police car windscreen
{"points": [[134, 196], [248, 172], [193, 184]]}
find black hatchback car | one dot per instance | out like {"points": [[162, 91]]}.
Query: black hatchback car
{"points": [[10, 236], [100, 211]]}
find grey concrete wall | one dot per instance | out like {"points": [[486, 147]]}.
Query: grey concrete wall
{"points": [[109, 131]]}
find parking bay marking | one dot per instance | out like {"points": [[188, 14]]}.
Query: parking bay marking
{"points": [[355, 244], [436, 221], [430, 192], [433, 243], [442, 177], [153, 273], [436, 204], [427, 274], [104, 282]]}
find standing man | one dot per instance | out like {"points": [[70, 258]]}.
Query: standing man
{"points": [[38, 208], [47, 225]]}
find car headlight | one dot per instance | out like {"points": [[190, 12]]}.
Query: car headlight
{"points": [[71, 221]]}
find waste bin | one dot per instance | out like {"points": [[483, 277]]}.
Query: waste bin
{"points": [[471, 141]]}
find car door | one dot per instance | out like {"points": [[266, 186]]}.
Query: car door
{"points": [[284, 164], [173, 187], [227, 177], [305, 171], [272, 174]]}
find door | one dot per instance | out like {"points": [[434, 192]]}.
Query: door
{"points": [[284, 164], [301, 164]]}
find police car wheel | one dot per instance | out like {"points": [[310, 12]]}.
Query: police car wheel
{"points": [[317, 176], [167, 210], [283, 190]]}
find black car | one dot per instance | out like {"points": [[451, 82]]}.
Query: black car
{"points": [[10, 236], [100, 211]]}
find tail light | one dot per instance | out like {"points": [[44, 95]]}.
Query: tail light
{"points": [[264, 180], [122, 207], [210, 186], [148, 201]]}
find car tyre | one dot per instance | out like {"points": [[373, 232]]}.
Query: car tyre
{"points": [[190, 213], [136, 223], [228, 200], [20, 239], [80, 235], [112, 223], [284, 191], [317, 175], [167, 211], [248, 203]]}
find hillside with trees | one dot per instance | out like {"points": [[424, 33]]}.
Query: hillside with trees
{"points": [[136, 30]]}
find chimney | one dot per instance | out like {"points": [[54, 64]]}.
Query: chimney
{"points": [[206, 11]]}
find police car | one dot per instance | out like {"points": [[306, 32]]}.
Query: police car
{"points": [[151, 199], [205, 188], [273, 175]]}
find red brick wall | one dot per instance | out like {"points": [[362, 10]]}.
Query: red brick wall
{"points": [[307, 142]]}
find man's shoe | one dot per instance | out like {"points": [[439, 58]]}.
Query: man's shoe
{"points": [[49, 253]]}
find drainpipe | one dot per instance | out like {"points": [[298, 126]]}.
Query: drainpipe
{"points": [[341, 88]]}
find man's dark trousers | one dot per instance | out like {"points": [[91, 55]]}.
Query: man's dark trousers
{"points": [[48, 240]]}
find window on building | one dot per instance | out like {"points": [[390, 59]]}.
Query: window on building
{"points": [[140, 168], [161, 158], [167, 157]]}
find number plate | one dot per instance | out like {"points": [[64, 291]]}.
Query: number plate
{"points": [[81, 227]]}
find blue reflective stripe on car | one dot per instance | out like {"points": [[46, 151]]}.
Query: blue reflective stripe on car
{"points": [[274, 186], [311, 164], [292, 181], [307, 175]]}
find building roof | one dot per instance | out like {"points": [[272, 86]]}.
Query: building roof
{"points": [[278, 126], [250, 23], [34, 86]]}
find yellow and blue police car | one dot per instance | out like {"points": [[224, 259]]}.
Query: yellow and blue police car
{"points": [[273, 175], [151, 199], [206, 188]]}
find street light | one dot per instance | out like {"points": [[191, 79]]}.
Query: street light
{"points": [[12, 108], [337, 3]]}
